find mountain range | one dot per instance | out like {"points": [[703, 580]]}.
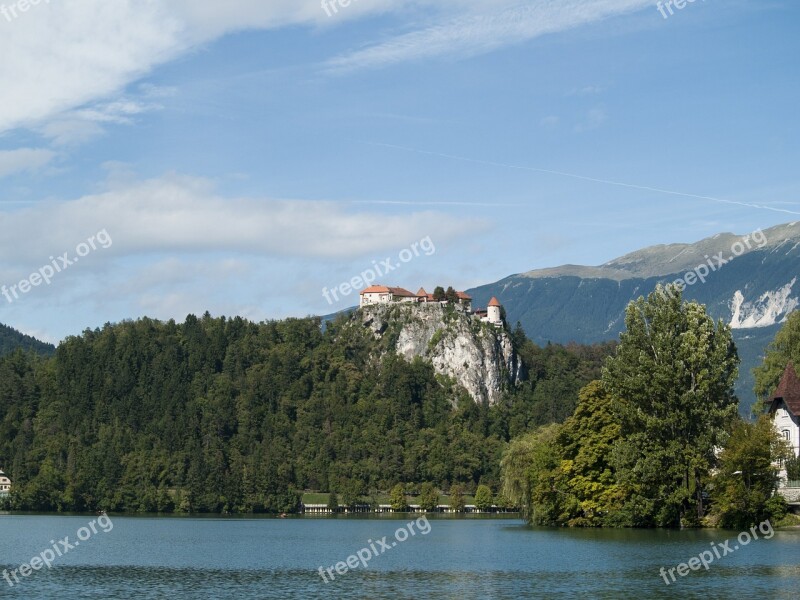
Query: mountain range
{"points": [[749, 281]]}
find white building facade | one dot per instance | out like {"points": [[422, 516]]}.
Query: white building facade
{"points": [[784, 406]]}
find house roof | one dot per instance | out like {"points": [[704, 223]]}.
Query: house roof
{"points": [[494, 302], [376, 289], [422, 292], [463, 296], [398, 291], [788, 390], [382, 289]]}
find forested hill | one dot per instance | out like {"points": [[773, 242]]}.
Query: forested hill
{"points": [[223, 414], [11, 339]]}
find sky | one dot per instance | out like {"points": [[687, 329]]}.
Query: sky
{"points": [[163, 158]]}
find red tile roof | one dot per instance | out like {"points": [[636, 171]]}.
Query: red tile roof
{"points": [[398, 291], [494, 302], [376, 289], [423, 294], [404, 293], [382, 289], [788, 390]]}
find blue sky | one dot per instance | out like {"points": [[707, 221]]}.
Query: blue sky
{"points": [[244, 155]]}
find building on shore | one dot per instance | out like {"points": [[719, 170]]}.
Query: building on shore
{"points": [[5, 484], [784, 406]]}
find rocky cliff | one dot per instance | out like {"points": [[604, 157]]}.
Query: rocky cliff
{"points": [[478, 356]]}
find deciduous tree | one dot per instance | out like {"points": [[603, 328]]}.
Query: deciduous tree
{"points": [[672, 383]]}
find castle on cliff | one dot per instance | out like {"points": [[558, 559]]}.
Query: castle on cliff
{"points": [[381, 294]]}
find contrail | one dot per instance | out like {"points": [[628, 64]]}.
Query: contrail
{"points": [[583, 178], [434, 203]]}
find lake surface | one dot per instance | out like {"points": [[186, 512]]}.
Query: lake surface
{"points": [[180, 558]]}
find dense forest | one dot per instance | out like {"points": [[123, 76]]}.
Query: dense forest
{"points": [[11, 339], [226, 415]]}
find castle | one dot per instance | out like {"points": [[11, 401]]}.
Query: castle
{"points": [[381, 294]]}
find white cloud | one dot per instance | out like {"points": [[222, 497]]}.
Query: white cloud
{"points": [[80, 125], [486, 31], [64, 57], [177, 214], [23, 159], [181, 247], [593, 119]]}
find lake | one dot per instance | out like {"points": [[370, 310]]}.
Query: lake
{"points": [[444, 558]]}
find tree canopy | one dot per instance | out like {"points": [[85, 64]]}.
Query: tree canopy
{"points": [[225, 415], [785, 348], [672, 382], [642, 446]]}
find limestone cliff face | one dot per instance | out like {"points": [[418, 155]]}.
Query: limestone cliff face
{"points": [[478, 356]]}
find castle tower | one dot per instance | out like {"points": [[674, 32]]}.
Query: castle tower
{"points": [[494, 312]]}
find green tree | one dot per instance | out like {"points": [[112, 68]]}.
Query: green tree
{"points": [[351, 492], [672, 383], [451, 295], [483, 498], [531, 473], [397, 498], [785, 348], [587, 440], [457, 501], [516, 472], [747, 478], [226, 415], [428, 497], [333, 501], [792, 466], [438, 293]]}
